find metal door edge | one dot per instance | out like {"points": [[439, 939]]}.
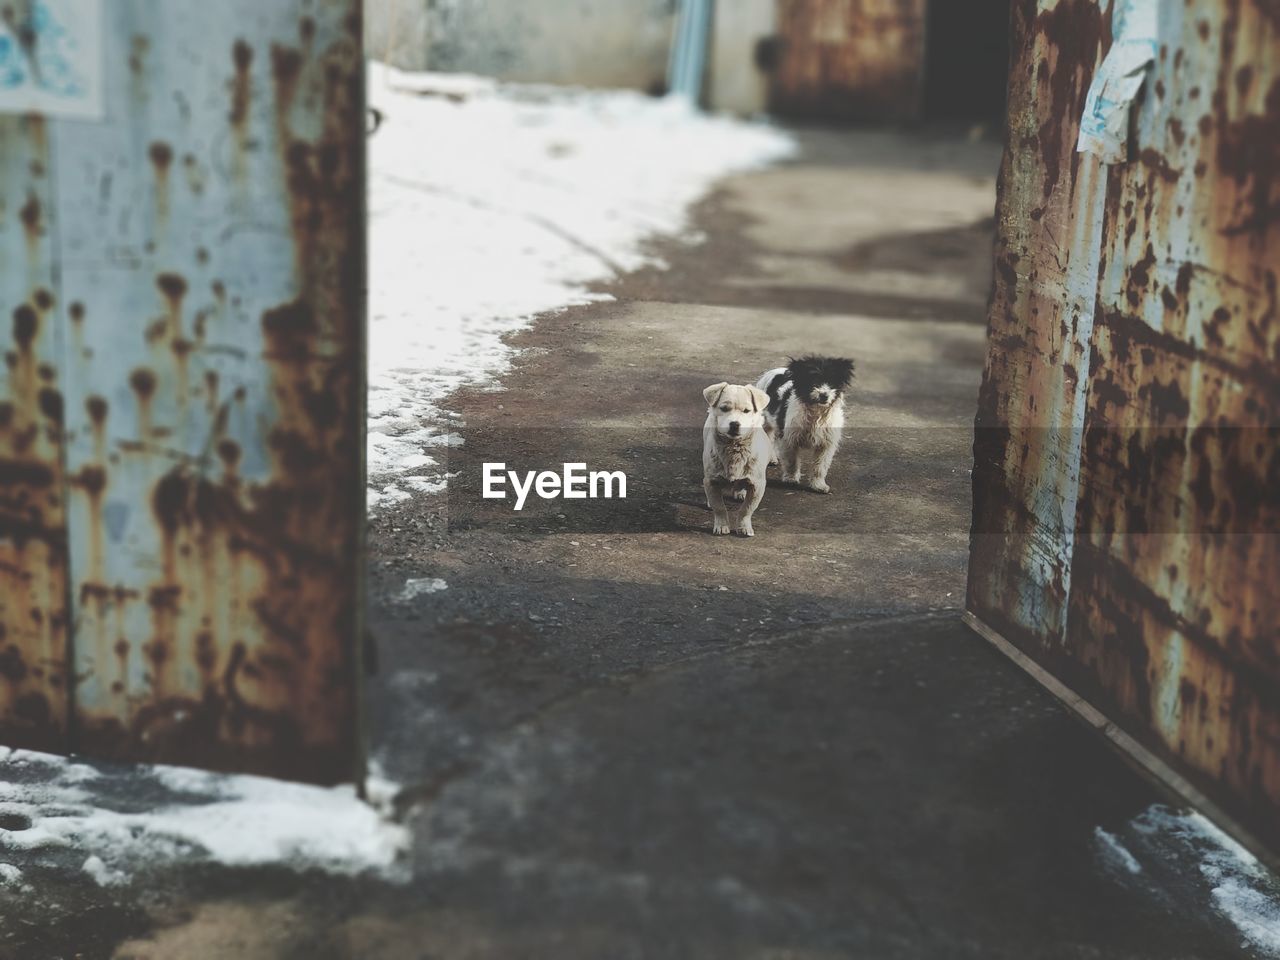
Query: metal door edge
{"points": [[1145, 761]]}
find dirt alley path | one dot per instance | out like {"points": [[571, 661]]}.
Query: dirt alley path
{"points": [[870, 247], [626, 738]]}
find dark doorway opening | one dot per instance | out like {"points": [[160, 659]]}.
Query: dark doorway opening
{"points": [[966, 60]]}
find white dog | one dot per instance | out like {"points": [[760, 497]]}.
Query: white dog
{"points": [[805, 415], [735, 453]]}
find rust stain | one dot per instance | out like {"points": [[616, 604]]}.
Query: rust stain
{"points": [[173, 289], [161, 156], [139, 51], [32, 215], [242, 62], [241, 107], [33, 555], [1072, 35]]}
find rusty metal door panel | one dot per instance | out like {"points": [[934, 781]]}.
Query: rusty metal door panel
{"points": [[1172, 617], [1040, 322], [211, 261], [849, 59], [1178, 485], [33, 556]]}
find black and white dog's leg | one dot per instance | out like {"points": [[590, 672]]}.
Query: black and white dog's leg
{"points": [[821, 464], [790, 465], [715, 500], [744, 522]]}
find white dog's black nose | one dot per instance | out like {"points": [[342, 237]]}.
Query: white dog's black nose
{"points": [[733, 428]]}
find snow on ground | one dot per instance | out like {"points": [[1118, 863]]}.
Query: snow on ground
{"points": [[491, 203], [414, 588], [1161, 846], [1115, 852], [112, 822]]}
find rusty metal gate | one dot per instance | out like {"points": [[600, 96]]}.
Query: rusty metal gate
{"points": [[1126, 539], [849, 59], [182, 399]]}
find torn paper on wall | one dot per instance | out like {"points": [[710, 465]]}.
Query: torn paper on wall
{"points": [[51, 58], [1104, 128]]}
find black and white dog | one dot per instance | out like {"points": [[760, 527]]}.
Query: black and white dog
{"points": [[806, 414]]}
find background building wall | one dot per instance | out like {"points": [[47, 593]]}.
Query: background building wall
{"points": [[396, 32], [595, 43], [842, 60], [849, 59], [742, 37]]}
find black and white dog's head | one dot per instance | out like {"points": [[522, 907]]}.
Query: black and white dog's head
{"points": [[820, 381]]}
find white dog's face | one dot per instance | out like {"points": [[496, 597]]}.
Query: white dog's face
{"points": [[736, 411]]}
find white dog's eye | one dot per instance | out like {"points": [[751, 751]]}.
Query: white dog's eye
{"points": [[725, 409]]}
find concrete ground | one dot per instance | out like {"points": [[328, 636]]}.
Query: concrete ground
{"points": [[624, 738], [632, 739]]}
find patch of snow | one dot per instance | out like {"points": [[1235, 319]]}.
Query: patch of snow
{"points": [[1115, 851], [391, 493], [380, 791], [425, 484], [103, 875], [10, 876], [78, 772], [489, 204], [417, 588], [1255, 914], [1241, 889], [236, 820]]}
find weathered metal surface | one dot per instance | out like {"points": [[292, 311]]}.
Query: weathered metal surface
{"points": [[209, 243], [849, 59], [1127, 470], [33, 555]]}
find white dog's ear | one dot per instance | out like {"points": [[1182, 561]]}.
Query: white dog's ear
{"points": [[712, 393], [759, 399]]}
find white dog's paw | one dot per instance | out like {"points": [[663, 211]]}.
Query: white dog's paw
{"points": [[720, 528], [738, 496], [746, 530], [819, 486]]}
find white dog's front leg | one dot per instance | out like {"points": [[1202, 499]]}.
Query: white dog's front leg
{"points": [[715, 500], [821, 464], [744, 524]]}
